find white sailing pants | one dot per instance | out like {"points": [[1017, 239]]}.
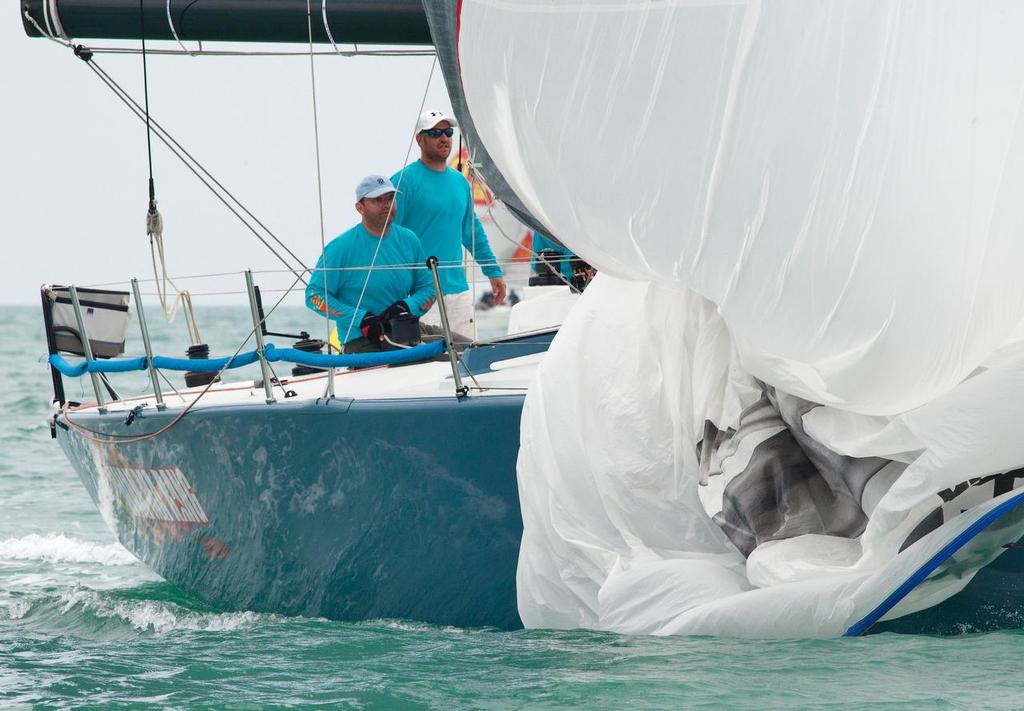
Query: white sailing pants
{"points": [[460, 314]]}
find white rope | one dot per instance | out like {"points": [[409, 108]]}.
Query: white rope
{"points": [[396, 345], [46, 17], [42, 31], [54, 18], [170, 23], [155, 231], [327, 26]]}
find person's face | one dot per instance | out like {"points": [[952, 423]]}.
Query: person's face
{"points": [[436, 148], [378, 212]]}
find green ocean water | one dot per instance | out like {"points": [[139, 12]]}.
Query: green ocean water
{"points": [[84, 625]]}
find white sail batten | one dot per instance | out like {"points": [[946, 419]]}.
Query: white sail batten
{"points": [[808, 224]]}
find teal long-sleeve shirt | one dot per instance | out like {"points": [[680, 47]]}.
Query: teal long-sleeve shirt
{"points": [[541, 242], [438, 207], [355, 248]]}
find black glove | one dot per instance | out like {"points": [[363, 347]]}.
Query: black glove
{"points": [[398, 308], [372, 328]]}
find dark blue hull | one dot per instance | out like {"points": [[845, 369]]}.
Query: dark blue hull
{"points": [[343, 509]]}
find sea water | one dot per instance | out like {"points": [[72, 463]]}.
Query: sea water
{"points": [[84, 625]]}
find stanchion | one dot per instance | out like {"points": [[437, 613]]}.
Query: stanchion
{"points": [[86, 347], [460, 389], [146, 344], [268, 385]]}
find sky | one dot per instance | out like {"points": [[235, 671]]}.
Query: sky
{"points": [[74, 193]]}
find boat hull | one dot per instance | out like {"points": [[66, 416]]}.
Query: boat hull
{"points": [[351, 510], [363, 509]]}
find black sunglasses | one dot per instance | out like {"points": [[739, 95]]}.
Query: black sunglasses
{"points": [[438, 132]]}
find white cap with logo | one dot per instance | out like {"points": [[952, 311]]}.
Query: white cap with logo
{"points": [[374, 186], [429, 119]]}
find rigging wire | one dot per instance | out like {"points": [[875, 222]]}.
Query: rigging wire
{"points": [[197, 168], [179, 151], [145, 94], [472, 234], [383, 267], [319, 182], [155, 221]]}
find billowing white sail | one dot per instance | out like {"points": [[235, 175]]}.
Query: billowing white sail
{"points": [[809, 224]]}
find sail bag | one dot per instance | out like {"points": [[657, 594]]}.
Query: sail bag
{"points": [[104, 313]]}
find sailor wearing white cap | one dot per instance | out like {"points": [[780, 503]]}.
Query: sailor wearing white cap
{"points": [[437, 204]]}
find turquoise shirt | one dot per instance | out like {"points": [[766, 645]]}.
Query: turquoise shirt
{"points": [[438, 207], [355, 248], [541, 242]]}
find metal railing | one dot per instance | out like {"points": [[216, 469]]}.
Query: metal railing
{"points": [[269, 381]]}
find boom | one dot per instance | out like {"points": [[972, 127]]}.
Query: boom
{"points": [[359, 21]]}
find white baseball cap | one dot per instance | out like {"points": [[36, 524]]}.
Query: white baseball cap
{"points": [[429, 119], [373, 186]]}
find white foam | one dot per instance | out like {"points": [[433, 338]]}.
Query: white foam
{"points": [[14, 608], [58, 548], [410, 626], [159, 617]]}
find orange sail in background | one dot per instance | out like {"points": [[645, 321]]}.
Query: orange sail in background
{"points": [[482, 194], [524, 252], [484, 201]]}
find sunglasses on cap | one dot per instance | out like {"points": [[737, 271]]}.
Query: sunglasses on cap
{"points": [[438, 132]]}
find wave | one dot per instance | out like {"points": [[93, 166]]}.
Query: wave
{"points": [[58, 548], [409, 626], [28, 404], [155, 616], [14, 608]]}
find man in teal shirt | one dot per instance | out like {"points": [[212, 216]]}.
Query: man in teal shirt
{"points": [[361, 301], [437, 204]]}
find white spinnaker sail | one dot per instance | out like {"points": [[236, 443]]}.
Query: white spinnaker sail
{"points": [[823, 197], [841, 177]]}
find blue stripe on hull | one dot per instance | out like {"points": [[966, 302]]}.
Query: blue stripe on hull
{"points": [[993, 600], [343, 509], [961, 542]]}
